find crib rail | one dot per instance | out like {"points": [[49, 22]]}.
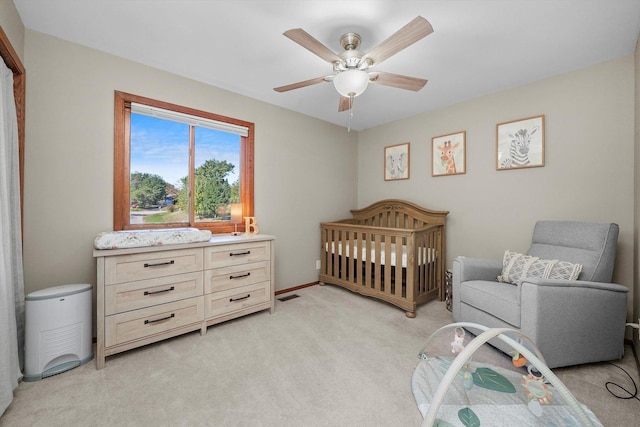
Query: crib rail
{"points": [[402, 265]]}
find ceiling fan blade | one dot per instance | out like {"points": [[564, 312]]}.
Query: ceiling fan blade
{"points": [[301, 84], [307, 41], [397, 80], [415, 30], [345, 104]]}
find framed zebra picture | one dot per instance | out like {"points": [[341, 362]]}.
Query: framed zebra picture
{"points": [[520, 143]]}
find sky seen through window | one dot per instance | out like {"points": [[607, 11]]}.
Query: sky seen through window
{"points": [[161, 147]]}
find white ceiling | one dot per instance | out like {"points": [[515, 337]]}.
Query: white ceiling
{"points": [[478, 46]]}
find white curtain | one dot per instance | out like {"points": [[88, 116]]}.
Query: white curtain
{"points": [[11, 274]]}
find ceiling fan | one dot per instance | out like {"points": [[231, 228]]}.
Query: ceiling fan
{"points": [[352, 69]]}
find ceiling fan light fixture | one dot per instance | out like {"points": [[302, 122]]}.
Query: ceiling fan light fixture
{"points": [[351, 83]]}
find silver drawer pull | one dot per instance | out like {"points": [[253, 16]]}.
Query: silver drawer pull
{"points": [[159, 264], [146, 322], [239, 299], [239, 253], [240, 276], [159, 292]]}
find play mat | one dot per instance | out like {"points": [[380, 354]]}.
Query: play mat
{"points": [[461, 380]]}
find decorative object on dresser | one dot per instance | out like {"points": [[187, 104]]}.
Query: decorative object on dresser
{"points": [[392, 250], [236, 217], [147, 294], [250, 225]]}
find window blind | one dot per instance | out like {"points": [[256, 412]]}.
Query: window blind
{"points": [[160, 113]]}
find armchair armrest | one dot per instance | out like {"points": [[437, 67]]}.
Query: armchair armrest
{"points": [[574, 321], [614, 287], [465, 269]]}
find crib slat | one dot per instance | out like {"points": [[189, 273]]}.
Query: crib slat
{"points": [[323, 250], [331, 251], [366, 261], [400, 242], [362, 243], [435, 258], [387, 263], [426, 250], [440, 274], [377, 273], [396, 273], [425, 247], [433, 241], [355, 275], [340, 261]]}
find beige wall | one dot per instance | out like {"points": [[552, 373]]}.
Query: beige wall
{"points": [[588, 173], [11, 24], [304, 168]]}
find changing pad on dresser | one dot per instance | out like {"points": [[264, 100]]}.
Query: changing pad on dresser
{"points": [[157, 237]]}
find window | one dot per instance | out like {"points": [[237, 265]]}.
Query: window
{"points": [[179, 167]]}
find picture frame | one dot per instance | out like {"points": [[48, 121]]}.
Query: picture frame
{"points": [[520, 143], [449, 154], [396, 162]]}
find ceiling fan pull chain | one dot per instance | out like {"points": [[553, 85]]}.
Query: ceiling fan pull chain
{"points": [[350, 112]]}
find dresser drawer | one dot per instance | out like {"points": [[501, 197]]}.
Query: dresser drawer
{"points": [[127, 268], [220, 279], [238, 253], [224, 302], [146, 293], [132, 325]]}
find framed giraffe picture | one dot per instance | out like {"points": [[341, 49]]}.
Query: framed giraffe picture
{"points": [[449, 154], [396, 162], [520, 143]]}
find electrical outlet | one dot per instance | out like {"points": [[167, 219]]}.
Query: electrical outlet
{"points": [[318, 264]]}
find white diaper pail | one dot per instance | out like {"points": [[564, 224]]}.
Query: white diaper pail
{"points": [[57, 330]]}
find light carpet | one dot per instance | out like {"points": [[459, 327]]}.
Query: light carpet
{"points": [[327, 358]]}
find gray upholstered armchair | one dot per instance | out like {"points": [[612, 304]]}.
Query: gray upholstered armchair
{"points": [[571, 321]]}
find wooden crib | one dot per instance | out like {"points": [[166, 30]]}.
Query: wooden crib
{"points": [[392, 250]]}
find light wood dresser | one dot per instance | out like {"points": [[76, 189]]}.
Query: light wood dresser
{"points": [[149, 294]]}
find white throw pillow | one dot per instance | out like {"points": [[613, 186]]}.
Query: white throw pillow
{"points": [[516, 267]]}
